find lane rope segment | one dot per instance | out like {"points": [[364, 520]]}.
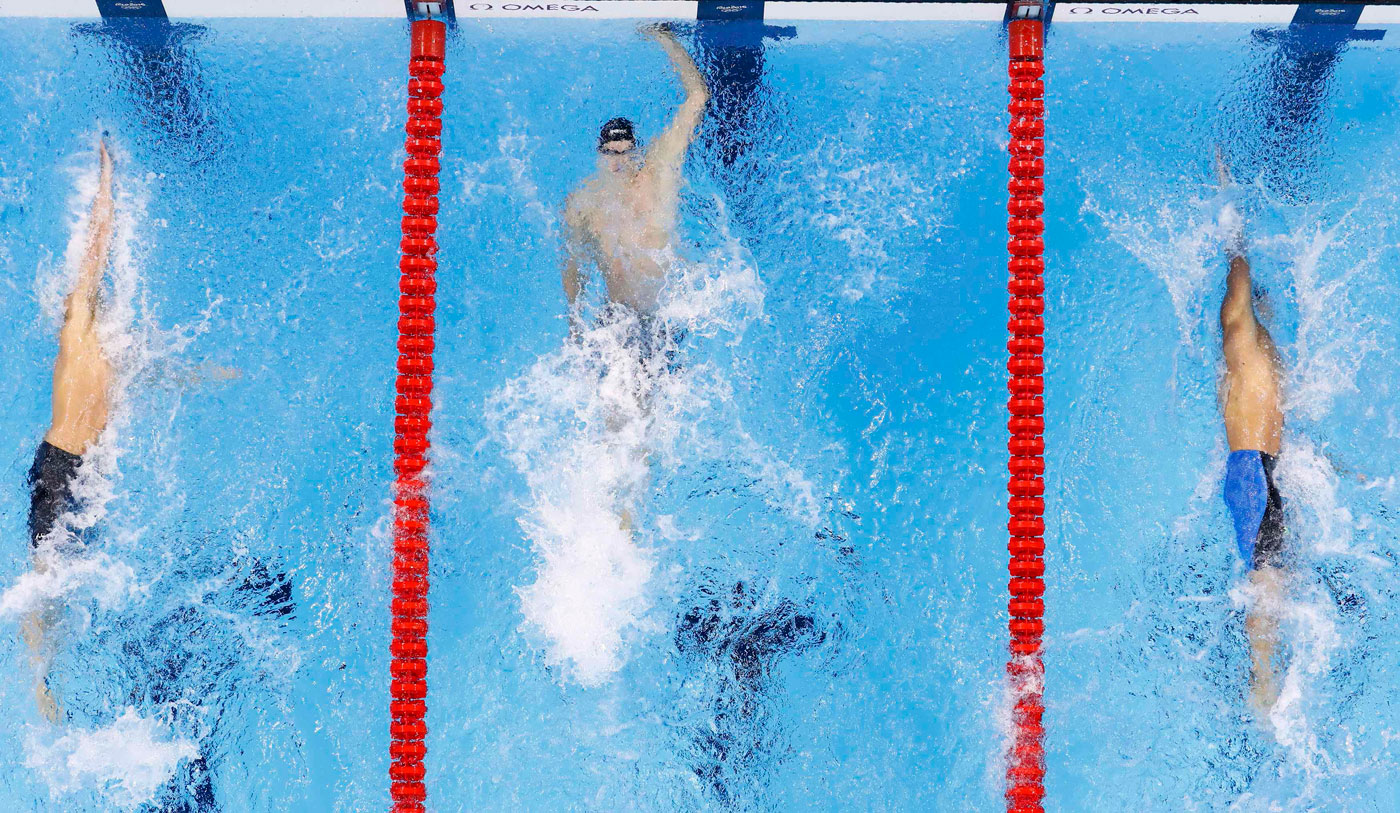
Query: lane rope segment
{"points": [[408, 649], [1025, 764]]}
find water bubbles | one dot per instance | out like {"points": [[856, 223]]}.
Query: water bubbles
{"points": [[586, 425], [125, 762]]}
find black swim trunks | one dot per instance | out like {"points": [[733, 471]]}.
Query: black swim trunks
{"points": [[51, 489], [1256, 507], [653, 340]]}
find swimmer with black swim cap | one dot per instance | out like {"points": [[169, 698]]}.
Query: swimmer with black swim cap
{"points": [[617, 137], [622, 219], [1250, 400]]}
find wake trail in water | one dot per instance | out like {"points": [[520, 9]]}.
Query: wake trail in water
{"points": [[129, 760], [1323, 356], [126, 762], [586, 425]]}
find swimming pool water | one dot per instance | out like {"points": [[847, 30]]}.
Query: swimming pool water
{"points": [[809, 615]]}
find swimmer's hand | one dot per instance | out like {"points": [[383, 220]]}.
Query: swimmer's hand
{"points": [[1229, 224], [1222, 170], [657, 30]]}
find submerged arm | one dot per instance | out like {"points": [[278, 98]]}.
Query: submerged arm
{"points": [[82, 302], [572, 272]]}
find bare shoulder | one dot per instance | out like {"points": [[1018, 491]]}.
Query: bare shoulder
{"points": [[577, 207], [582, 198]]}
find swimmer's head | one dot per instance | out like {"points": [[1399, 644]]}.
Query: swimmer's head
{"points": [[618, 148]]}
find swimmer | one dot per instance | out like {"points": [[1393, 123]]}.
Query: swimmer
{"points": [[1250, 398], [744, 644], [622, 219], [82, 378]]}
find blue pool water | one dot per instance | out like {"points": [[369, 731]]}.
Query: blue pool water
{"points": [[809, 614]]}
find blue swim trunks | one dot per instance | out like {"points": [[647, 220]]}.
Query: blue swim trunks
{"points": [[1255, 506]]}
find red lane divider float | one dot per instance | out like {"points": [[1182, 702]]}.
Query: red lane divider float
{"points": [[408, 665], [1025, 768]]}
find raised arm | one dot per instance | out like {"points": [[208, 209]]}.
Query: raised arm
{"points": [[82, 301], [81, 373], [667, 152]]}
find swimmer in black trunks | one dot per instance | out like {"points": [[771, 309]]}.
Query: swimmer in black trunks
{"points": [[622, 221], [1250, 397], [652, 341], [82, 378]]}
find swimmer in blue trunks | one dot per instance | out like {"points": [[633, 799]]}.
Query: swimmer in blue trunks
{"points": [[1250, 396], [82, 379]]}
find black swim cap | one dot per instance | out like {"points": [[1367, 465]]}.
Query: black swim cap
{"points": [[618, 129]]}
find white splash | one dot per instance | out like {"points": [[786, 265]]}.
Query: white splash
{"points": [[1184, 246], [1309, 483], [510, 175], [862, 204], [127, 761], [1327, 359], [1308, 624], [578, 431], [63, 579], [61, 573], [585, 425], [1180, 245]]}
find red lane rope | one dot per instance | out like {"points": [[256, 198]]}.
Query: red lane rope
{"points": [[1025, 768], [408, 665]]}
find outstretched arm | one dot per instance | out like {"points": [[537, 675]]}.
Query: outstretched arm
{"points": [[81, 377], [1252, 389], [82, 301], [1237, 320], [81, 374], [667, 153]]}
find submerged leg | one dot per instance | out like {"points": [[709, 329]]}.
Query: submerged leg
{"points": [[1261, 624]]}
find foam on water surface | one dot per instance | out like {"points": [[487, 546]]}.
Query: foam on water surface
{"points": [[125, 762], [616, 589], [585, 425]]}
